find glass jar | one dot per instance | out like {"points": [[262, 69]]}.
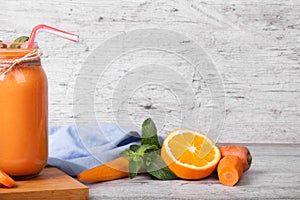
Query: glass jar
{"points": [[23, 113]]}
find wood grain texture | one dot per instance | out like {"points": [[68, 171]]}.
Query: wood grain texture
{"points": [[254, 46], [274, 174], [50, 184]]}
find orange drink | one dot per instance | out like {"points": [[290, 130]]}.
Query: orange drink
{"points": [[23, 112]]}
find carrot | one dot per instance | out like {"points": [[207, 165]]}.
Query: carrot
{"points": [[6, 180], [112, 170], [230, 169], [241, 151]]}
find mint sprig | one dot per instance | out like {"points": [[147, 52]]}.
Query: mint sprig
{"points": [[135, 155], [147, 155]]}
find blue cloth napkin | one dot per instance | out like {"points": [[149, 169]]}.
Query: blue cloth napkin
{"points": [[75, 148]]}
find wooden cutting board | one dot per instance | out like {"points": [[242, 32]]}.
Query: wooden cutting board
{"points": [[50, 184]]}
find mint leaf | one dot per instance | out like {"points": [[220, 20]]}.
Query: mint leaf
{"points": [[163, 174], [128, 154], [22, 39], [149, 133], [157, 168], [2, 46], [134, 147], [14, 46], [134, 166]]}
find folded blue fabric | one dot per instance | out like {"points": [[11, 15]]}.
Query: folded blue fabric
{"points": [[76, 148]]}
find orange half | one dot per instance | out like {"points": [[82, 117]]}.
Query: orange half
{"points": [[190, 154]]}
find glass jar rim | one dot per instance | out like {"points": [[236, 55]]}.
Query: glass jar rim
{"points": [[22, 45], [8, 51]]}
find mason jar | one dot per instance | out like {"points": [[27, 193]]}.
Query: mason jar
{"points": [[23, 112]]}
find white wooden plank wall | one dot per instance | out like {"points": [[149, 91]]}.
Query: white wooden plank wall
{"points": [[253, 44]]}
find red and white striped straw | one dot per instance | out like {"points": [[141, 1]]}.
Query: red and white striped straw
{"points": [[49, 29]]}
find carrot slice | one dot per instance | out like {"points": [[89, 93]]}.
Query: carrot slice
{"points": [[230, 169], [112, 170], [6, 180]]}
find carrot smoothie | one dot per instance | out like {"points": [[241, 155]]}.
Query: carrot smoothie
{"points": [[23, 113]]}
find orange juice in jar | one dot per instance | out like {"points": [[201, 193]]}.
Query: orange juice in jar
{"points": [[23, 112]]}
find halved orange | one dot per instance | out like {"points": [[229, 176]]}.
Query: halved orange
{"points": [[190, 154]]}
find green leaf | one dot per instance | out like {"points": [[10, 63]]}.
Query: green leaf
{"points": [[163, 174], [134, 166], [157, 168], [128, 154], [147, 161], [14, 46], [149, 133], [22, 39], [134, 147]]}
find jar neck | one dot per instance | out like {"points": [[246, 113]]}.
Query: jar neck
{"points": [[11, 54], [32, 58], [19, 56]]}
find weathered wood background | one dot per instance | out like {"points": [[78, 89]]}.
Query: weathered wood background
{"points": [[254, 46]]}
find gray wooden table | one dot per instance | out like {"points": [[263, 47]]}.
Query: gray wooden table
{"points": [[274, 174]]}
